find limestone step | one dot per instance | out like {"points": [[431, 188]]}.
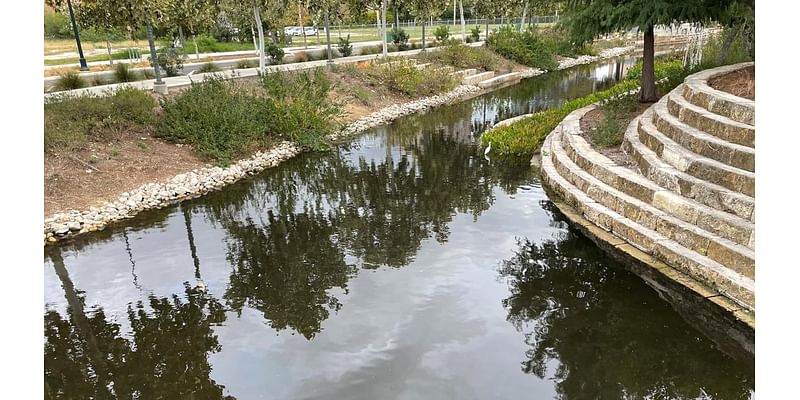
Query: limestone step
{"points": [[717, 222], [477, 78], [500, 79], [699, 142], [666, 176], [697, 91], [733, 285], [706, 121], [684, 160], [464, 72], [733, 255]]}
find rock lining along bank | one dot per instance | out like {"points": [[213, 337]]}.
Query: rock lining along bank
{"points": [[200, 181]]}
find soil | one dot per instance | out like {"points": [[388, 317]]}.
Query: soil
{"points": [[740, 83], [592, 119]]}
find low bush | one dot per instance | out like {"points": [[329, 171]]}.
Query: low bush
{"points": [[274, 52], [223, 119], [69, 81], [523, 47], [442, 32], [169, 60], [301, 56], [148, 73], [463, 56], [344, 47], [208, 67], [69, 121], [610, 131], [244, 64], [400, 39], [404, 77], [123, 73], [475, 33]]}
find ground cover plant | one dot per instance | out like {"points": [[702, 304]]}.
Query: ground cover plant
{"points": [[404, 77], [223, 119], [69, 121], [463, 56], [526, 48]]}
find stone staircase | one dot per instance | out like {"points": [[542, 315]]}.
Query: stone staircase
{"points": [[689, 201]]}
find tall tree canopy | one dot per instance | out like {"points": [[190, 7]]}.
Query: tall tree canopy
{"points": [[586, 19]]}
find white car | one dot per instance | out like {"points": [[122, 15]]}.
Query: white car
{"points": [[292, 30]]}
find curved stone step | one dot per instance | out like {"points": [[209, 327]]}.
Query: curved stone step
{"points": [[708, 122], [666, 176], [500, 79], [475, 79], [699, 142], [701, 167], [460, 74], [735, 256], [717, 222], [733, 285], [697, 91]]}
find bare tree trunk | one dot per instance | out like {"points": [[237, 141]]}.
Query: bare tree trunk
{"points": [[108, 48], [302, 26], [463, 24], [383, 24], [423, 35], [253, 34], [647, 93], [328, 36], [454, 12], [524, 14], [261, 60], [183, 43]]}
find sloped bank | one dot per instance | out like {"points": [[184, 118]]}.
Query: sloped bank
{"points": [[200, 181]]}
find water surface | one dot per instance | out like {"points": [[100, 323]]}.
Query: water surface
{"points": [[401, 266]]}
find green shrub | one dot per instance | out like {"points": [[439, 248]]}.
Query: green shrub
{"points": [[223, 119], [69, 121], [399, 38], [442, 32], [274, 52], [170, 62], [69, 81], [208, 67], [56, 25], [524, 137], [244, 64], [523, 47], [404, 77], [345, 48], [148, 73], [123, 73], [475, 33], [463, 56]]}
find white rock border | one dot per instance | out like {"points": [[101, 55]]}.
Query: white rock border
{"points": [[203, 180]]}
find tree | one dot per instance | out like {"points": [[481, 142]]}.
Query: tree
{"points": [[192, 16], [424, 10], [586, 19]]}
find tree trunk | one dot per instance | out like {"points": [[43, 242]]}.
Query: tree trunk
{"points": [[524, 14], [302, 26], [328, 36], [108, 48], [487, 29], [454, 12], [647, 93], [253, 34], [423, 35], [183, 43], [261, 60], [196, 48], [383, 24], [463, 24], [378, 21], [396, 17]]}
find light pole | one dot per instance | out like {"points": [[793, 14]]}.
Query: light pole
{"points": [[81, 58]]}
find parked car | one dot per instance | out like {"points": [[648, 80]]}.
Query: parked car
{"points": [[293, 30]]}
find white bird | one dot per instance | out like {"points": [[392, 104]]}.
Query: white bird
{"points": [[488, 149]]}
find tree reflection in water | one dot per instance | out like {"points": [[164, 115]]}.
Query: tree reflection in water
{"points": [[305, 227], [165, 356], [601, 334]]}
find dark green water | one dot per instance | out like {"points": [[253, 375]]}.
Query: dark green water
{"points": [[402, 266]]}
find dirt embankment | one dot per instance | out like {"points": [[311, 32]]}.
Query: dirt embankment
{"points": [[740, 83]]}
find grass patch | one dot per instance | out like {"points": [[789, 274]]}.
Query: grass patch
{"points": [[69, 121], [223, 119], [208, 67], [463, 56], [526, 48], [69, 81], [117, 55], [404, 77], [611, 129], [123, 73]]}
